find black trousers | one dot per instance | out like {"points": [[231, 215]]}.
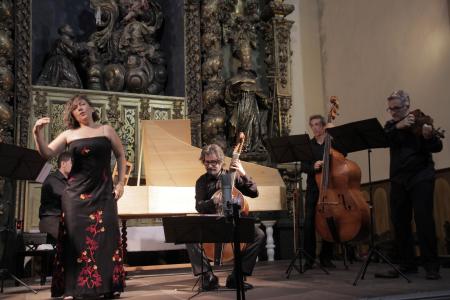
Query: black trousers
{"points": [[418, 198], [249, 255], [326, 251], [50, 225]]}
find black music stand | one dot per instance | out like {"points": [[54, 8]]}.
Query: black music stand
{"points": [[294, 148], [356, 136], [17, 163], [212, 229]]}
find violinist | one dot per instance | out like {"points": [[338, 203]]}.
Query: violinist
{"points": [[412, 176], [317, 123], [212, 157]]}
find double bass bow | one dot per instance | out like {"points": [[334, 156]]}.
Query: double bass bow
{"points": [[223, 252], [342, 213]]}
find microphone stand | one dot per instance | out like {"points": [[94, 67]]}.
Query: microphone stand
{"points": [[231, 212]]}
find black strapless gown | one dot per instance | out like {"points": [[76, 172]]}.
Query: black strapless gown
{"points": [[88, 261]]}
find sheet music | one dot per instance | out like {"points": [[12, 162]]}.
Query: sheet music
{"points": [[44, 172]]}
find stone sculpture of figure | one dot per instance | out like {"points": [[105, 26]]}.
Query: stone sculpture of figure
{"points": [[59, 70], [134, 39], [245, 100], [134, 9]]}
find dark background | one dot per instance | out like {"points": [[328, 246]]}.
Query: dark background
{"points": [[49, 15]]}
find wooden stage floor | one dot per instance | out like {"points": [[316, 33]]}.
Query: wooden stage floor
{"points": [[270, 283]]}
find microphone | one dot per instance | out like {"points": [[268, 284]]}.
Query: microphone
{"points": [[226, 194]]}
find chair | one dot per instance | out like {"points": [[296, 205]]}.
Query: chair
{"points": [[128, 169], [31, 241]]}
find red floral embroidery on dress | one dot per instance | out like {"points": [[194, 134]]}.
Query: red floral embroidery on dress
{"points": [[85, 196], [85, 151], [118, 270], [89, 275]]}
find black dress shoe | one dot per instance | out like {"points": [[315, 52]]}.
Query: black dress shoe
{"points": [[231, 283], [210, 281]]}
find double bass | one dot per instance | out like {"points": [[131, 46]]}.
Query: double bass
{"points": [[223, 252], [342, 213]]}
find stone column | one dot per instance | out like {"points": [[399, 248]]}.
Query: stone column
{"points": [[270, 245]]}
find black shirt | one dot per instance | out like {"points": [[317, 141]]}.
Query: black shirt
{"points": [[411, 159], [51, 193], [308, 166], [207, 185]]}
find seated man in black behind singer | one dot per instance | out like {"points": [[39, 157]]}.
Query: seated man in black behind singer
{"points": [[212, 158], [52, 189]]}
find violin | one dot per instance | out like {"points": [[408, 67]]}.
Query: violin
{"points": [[223, 252], [342, 213], [422, 119]]}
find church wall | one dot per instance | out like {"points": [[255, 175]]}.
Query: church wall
{"points": [[307, 90]]}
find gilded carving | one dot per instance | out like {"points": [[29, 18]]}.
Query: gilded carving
{"points": [[6, 75], [285, 103], [22, 36], [284, 52], [278, 61], [7, 201], [127, 132], [145, 109], [40, 106], [214, 121], [123, 53], [178, 109], [57, 116], [160, 114], [113, 112], [193, 83]]}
